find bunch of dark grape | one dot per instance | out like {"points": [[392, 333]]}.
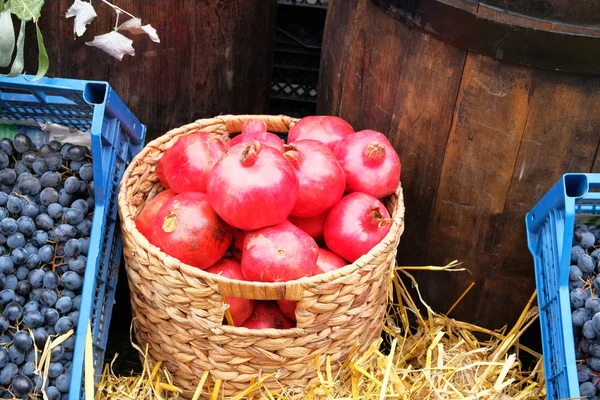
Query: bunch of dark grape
{"points": [[584, 283], [46, 205]]}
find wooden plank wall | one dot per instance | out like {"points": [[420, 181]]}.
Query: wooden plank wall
{"points": [[214, 57], [480, 142]]}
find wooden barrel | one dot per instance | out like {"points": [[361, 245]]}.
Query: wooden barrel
{"points": [[488, 104], [214, 57]]}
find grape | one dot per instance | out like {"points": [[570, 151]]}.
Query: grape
{"points": [[26, 225], [49, 179], [51, 280], [2, 280], [74, 316], [13, 311], [69, 343], [30, 249], [71, 185], [4, 359], [62, 382], [3, 323], [587, 389], [84, 228], [33, 319], [40, 337], [35, 294], [579, 297], [65, 232], [6, 265], [71, 280], [21, 167], [20, 299], [7, 374], [7, 176], [31, 306], [15, 355], [29, 157], [53, 393], [39, 238], [72, 248], [55, 145], [36, 278], [22, 273], [3, 200], [73, 216], [575, 273], [55, 369], [64, 304], [48, 196], [85, 244], [83, 187], [39, 166], [16, 240], [587, 239], [594, 363], [10, 282], [23, 287], [3, 211], [80, 205], [30, 209], [8, 226], [33, 261], [90, 200], [77, 302], [18, 256], [30, 186], [48, 298], [63, 325], [22, 340], [78, 264], [64, 198], [586, 263], [44, 222], [22, 143], [6, 146], [57, 353], [55, 210], [7, 296], [46, 253], [76, 165], [75, 153]]}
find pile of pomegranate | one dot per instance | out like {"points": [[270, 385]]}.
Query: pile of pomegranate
{"points": [[256, 208]]}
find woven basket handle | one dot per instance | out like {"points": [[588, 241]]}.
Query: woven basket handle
{"points": [[261, 291]]}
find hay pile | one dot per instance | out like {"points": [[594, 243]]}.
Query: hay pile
{"points": [[432, 357]]}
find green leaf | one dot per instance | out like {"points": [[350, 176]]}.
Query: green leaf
{"points": [[43, 61], [7, 37], [26, 10], [19, 63], [1, 5]]}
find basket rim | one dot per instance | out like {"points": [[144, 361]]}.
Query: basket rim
{"points": [[396, 229]]}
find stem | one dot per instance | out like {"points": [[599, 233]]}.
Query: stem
{"points": [[292, 154], [374, 153], [250, 154], [118, 9]]}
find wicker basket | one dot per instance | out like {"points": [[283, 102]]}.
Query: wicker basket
{"points": [[178, 309]]}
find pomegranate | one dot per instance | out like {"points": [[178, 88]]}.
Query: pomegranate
{"points": [[321, 179], [288, 308], [371, 164], [160, 174], [355, 225], [253, 125], [266, 138], [279, 253], [268, 315], [145, 222], [186, 165], [328, 261], [240, 309], [312, 225], [190, 230], [326, 129], [253, 186]]}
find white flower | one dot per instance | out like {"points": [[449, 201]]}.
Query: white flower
{"points": [[114, 43], [134, 25], [84, 13]]}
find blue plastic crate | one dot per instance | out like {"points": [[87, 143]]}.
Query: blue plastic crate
{"points": [[550, 227], [116, 137]]}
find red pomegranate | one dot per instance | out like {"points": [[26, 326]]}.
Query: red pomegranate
{"points": [[326, 129]]}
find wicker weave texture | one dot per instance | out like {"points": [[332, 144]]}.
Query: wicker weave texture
{"points": [[178, 309]]}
